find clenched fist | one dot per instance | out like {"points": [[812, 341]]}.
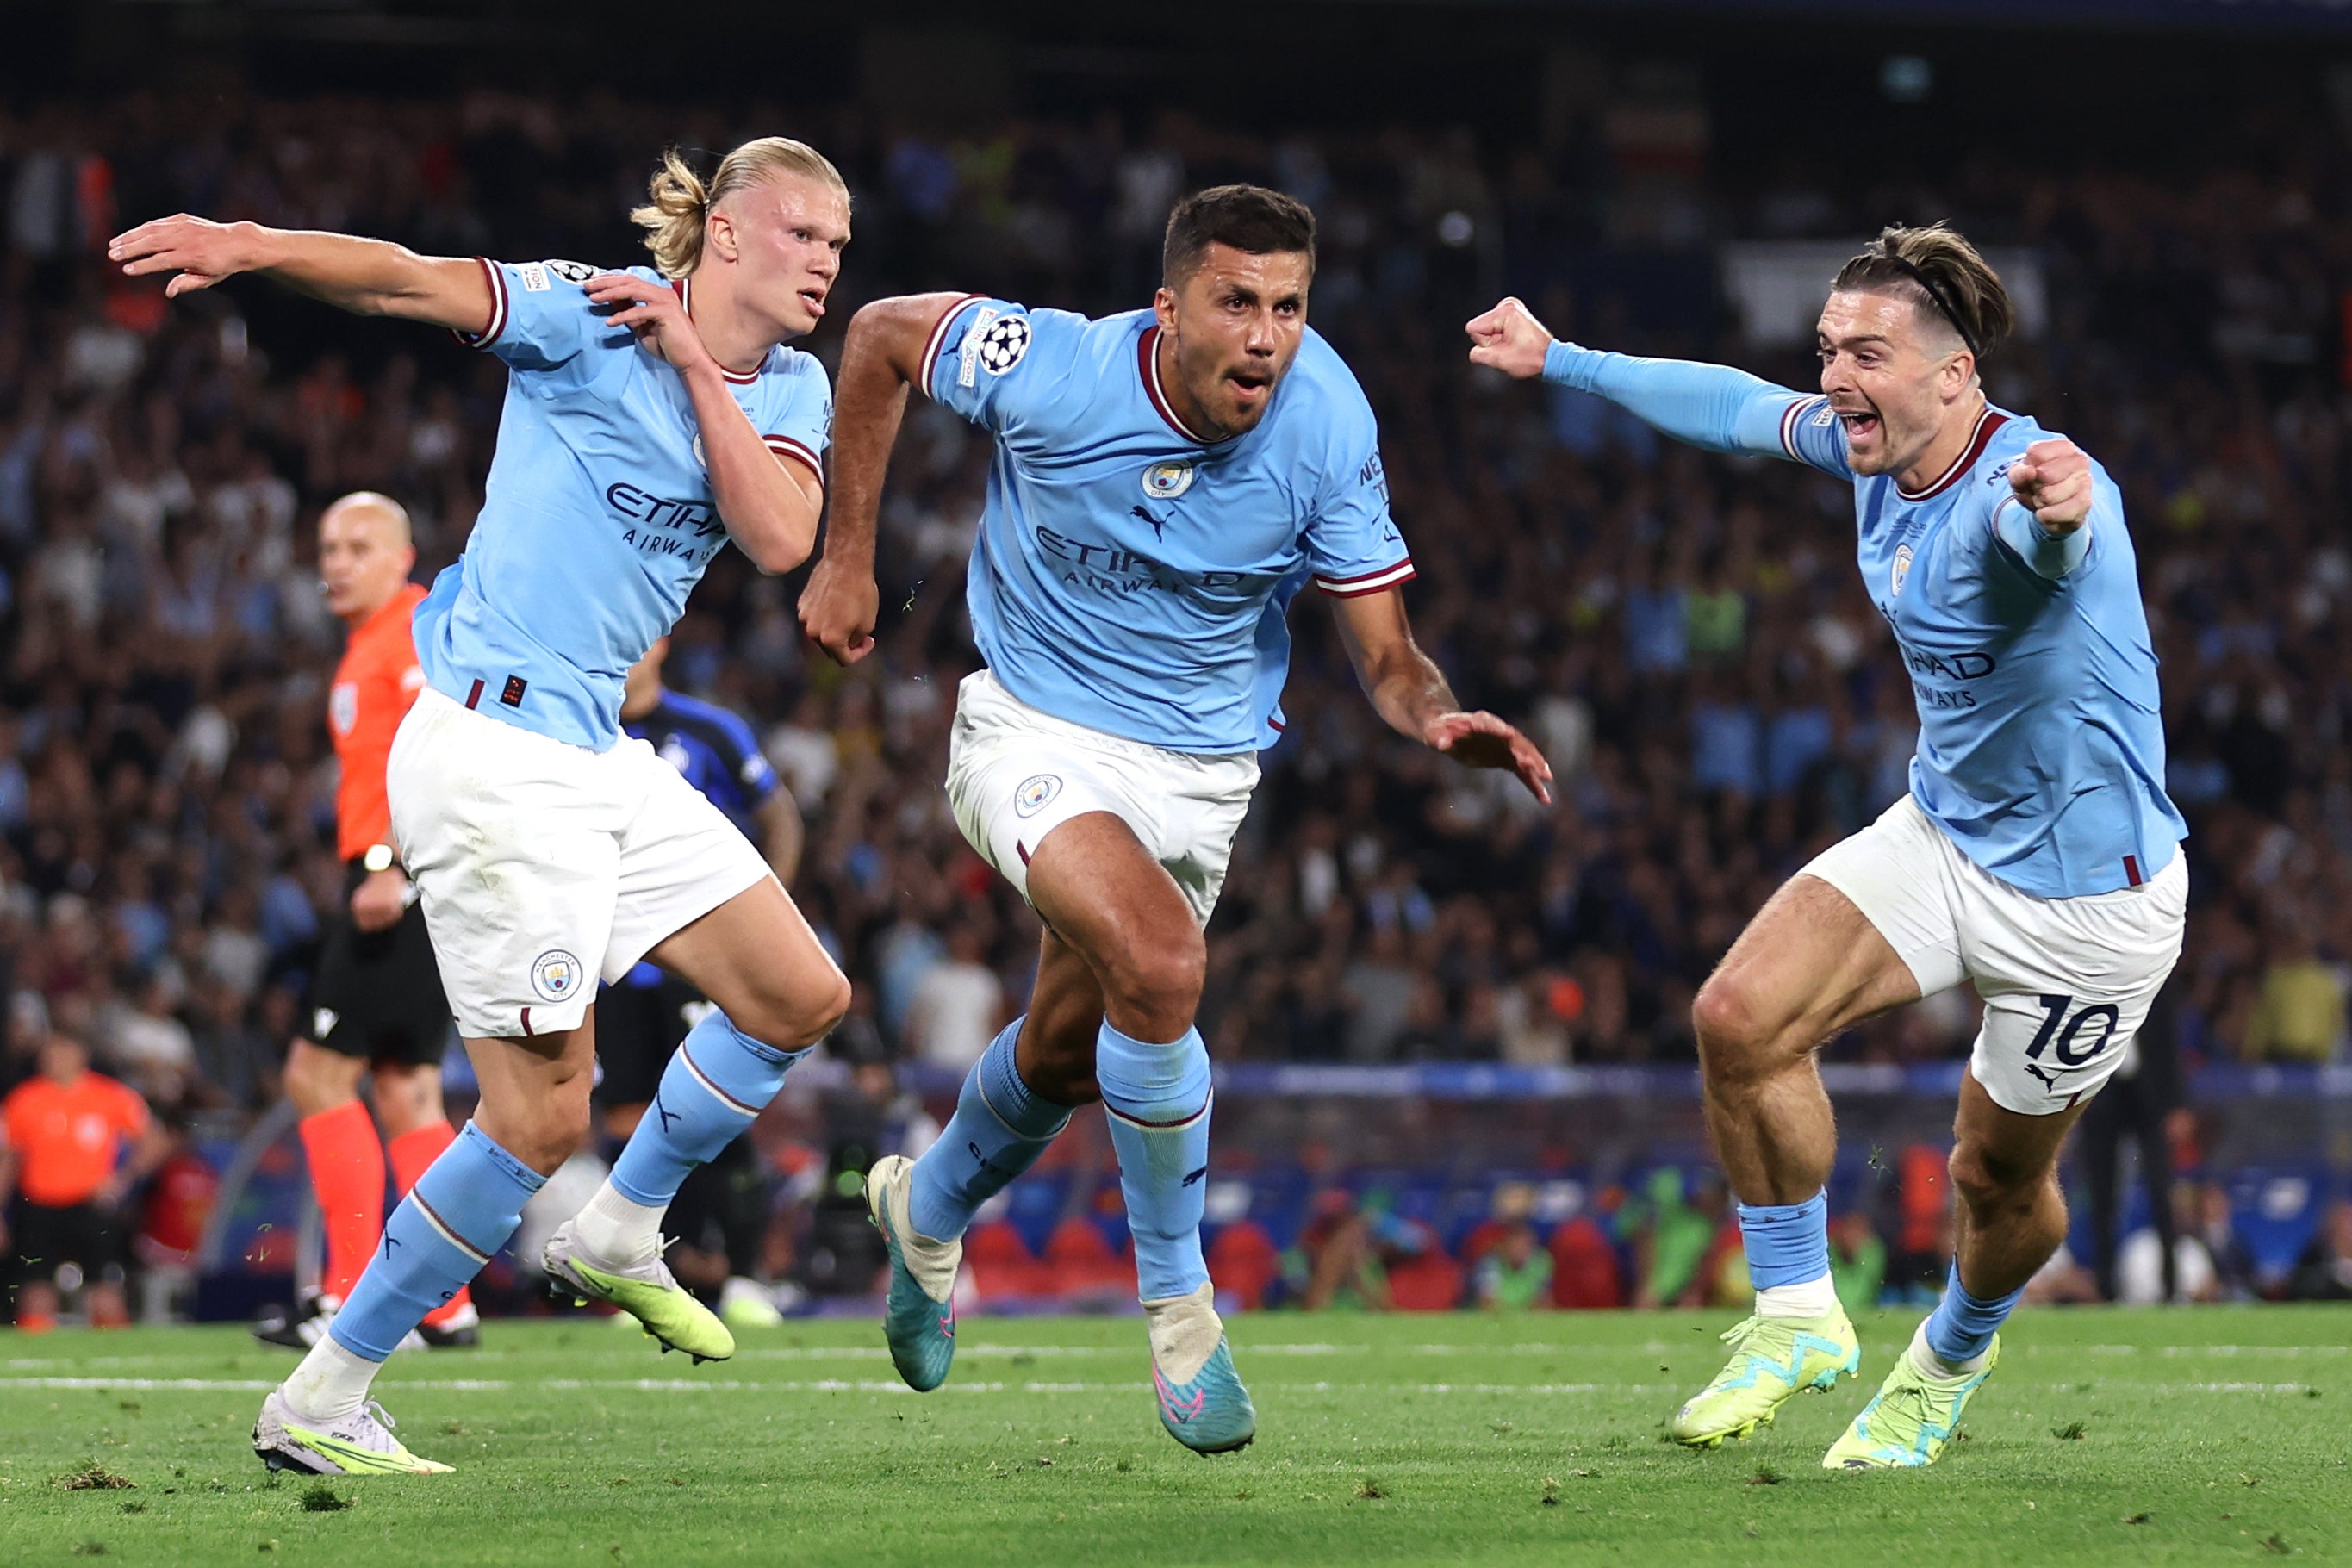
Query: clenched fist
{"points": [[1509, 339]]}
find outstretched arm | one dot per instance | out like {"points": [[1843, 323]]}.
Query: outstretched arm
{"points": [[1410, 693], [1709, 405], [881, 357], [365, 277]]}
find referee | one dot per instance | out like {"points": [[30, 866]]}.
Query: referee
{"points": [[717, 1222], [375, 1000]]}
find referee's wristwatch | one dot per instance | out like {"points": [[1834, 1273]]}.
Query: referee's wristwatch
{"points": [[378, 858]]}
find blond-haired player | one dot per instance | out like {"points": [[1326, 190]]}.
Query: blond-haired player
{"points": [[652, 415]]}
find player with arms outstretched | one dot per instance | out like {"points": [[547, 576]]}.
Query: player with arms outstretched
{"points": [[2035, 854], [1166, 481], [651, 417]]}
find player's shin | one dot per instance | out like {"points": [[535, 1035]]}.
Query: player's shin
{"points": [[1000, 1128], [716, 1085], [1788, 1247], [461, 1211], [1158, 1099], [410, 1155]]}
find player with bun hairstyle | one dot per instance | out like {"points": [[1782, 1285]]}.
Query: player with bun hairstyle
{"points": [[652, 416], [2035, 854]]}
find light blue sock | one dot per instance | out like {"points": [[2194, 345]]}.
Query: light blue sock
{"points": [[458, 1215], [1962, 1325], [1787, 1244], [1157, 1099], [715, 1086], [999, 1127]]}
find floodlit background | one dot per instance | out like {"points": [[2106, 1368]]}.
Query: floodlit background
{"points": [[1439, 1013]]}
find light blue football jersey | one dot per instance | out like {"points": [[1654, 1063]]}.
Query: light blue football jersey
{"points": [[600, 517], [2040, 746], [2041, 742], [1130, 576]]}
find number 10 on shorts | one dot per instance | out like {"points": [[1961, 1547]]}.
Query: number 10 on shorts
{"points": [[2069, 1044]]}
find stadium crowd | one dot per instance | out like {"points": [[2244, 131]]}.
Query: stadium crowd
{"points": [[1685, 634]]}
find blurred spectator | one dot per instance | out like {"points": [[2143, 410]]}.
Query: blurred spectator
{"points": [[1585, 1274], [1516, 1275], [958, 1005], [2169, 1263], [2298, 1012], [1857, 1262], [2235, 1277], [2323, 1272], [77, 1143], [1670, 1239], [1337, 1259]]}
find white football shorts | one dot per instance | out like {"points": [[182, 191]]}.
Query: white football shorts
{"points": [[542, 865], [1015, 775], [2065, 982]]}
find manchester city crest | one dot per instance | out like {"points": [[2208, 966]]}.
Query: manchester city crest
{"points": [[556, 974], [1166, 481], [1902, 569], [1033, 792]]}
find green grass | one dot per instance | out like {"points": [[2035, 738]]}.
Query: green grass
{"points": [[2106, 1437]]}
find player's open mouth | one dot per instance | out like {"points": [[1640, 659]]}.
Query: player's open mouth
{"points": [[1247, 391], [814, 301], [1859, 426]]}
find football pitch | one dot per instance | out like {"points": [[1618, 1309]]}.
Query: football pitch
{"points": [[2198, 1436]]}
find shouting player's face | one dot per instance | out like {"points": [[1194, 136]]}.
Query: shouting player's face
{"points": [[786, 233], [1893, 379], [1232, 327]]}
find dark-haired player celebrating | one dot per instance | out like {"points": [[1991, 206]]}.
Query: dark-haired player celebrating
{"points": [[1166, 481], [2035, 853]]}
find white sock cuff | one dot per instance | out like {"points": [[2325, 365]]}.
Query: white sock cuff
{"points": [[330, 1383], [618, 1228], [1813, 1298]]}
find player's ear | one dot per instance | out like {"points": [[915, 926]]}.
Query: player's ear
{"points": [[718, 235], [1164, 306]]}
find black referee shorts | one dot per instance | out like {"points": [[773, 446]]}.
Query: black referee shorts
{"points": [[377, 995], [80, 1233]]}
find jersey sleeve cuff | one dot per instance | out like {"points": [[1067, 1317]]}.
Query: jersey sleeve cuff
{"points": [[937, 341], [497, 322], [800, 452], [1789, 417], [1394, 575]]}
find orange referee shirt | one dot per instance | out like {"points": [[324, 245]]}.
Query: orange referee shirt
{"points": [[68, 1136], [377, 680]]}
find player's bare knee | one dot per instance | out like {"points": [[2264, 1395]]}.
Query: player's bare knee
{"points": [[1990, 1185], [794, 1017], [1735, 1042], [553, 1134], [1159, 980]]}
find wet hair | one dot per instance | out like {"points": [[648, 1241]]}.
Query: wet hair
{"points": [[678, 203], [1247, 217], [1939, 271]]}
